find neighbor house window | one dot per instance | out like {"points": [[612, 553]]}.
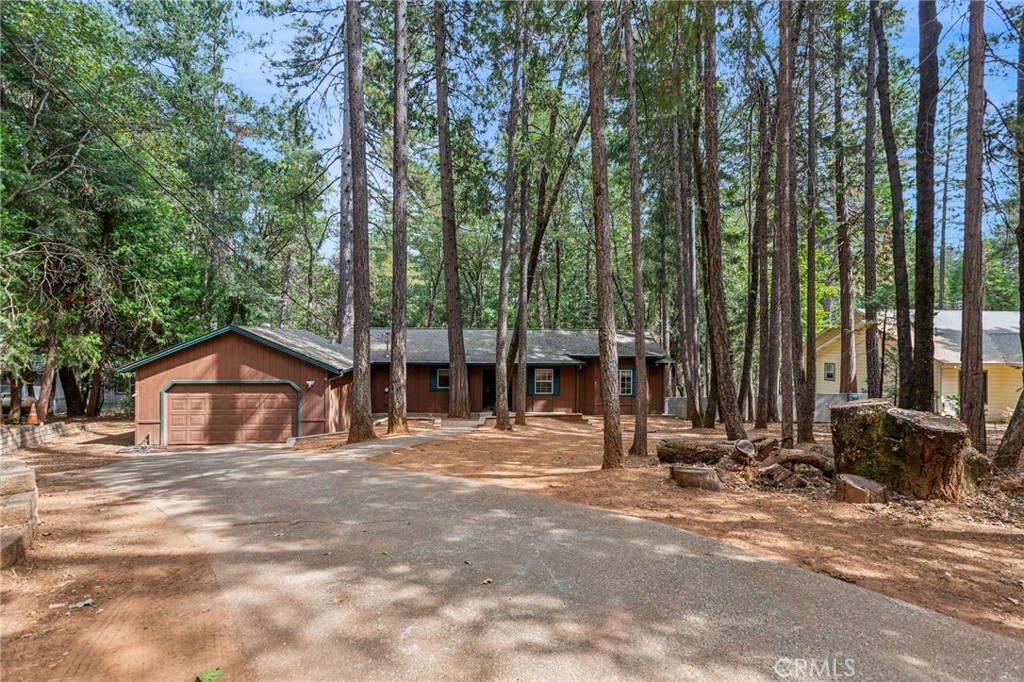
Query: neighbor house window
{"points": [[443, 378], [830, 371], [625, 382], [544, 381]]}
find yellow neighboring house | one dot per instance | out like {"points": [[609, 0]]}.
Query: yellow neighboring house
{"points": [[1002, 358]]}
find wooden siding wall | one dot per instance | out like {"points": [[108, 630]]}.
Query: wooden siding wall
{"points": [[228, 357], [578, 390]]}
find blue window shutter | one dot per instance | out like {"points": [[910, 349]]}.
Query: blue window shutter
{"points": [[529, 382], [633, 384], [433, 378], [558, 387]]}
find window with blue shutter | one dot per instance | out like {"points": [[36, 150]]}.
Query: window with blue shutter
{"points": [[543, 381], [439, 379]]}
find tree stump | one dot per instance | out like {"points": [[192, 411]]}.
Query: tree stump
{"points": [[859, 490], [909, 451], [693, 450], [704, 478]]}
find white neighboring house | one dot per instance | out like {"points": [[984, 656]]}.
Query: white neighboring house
{"points": [[1002, 359]]}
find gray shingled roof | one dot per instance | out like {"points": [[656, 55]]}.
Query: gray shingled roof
{"points": [[425, 346], [1000, 343], [544, 346], [306, 343]]}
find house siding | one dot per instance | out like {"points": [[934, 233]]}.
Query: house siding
{"points": [[226, 358], [578, 390], [1005, 382]]}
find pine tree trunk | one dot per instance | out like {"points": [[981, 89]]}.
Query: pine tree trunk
{"points": [[17, 389], [1010, 455], [361, 428], [922, 380], [848, 346], [718, 322], [639, 447], [500, 367], [458, 392], [904, 344], [72, 393], [871, 349], [684, 283], [948, 151], [345, 294], [46, 387], [810, 369], [607, 339], [398, 421], [972, 396], [766, 140], [783, 176], [519, 341], [92, 409]]}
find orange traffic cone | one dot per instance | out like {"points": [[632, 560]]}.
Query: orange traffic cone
{"points": [[32, 417]]}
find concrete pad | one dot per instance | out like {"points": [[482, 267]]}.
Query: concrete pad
{"points": [[337, 568]]}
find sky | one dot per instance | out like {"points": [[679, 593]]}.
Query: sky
{"points": [[250, 66]]}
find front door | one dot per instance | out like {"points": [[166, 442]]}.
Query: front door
{"points": [[488, 388]]}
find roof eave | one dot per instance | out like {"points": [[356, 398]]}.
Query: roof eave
{"points": [[238, 330]]}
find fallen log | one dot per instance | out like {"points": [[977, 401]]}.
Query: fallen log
{"points": [[693, 450], [704, 478], [816, 459], [780, 475]]}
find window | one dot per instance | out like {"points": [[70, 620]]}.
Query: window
{"points": [[626, 382], [544, 381], [830, 371], [443, 379]]}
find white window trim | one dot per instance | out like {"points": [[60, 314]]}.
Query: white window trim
{"points": [[537, 380], [833, 377], [448, 377], [629, 373]]}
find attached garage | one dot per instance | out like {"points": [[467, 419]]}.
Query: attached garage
{"points": [[242, 385], [204, 414]]}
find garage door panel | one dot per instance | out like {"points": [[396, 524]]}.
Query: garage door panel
{"points": [[230, 413]]}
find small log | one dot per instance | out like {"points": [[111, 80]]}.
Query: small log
{"points": [[693, 450], [704, 478], [774, 474], [766, 446], [859, 490], [818, 460]]}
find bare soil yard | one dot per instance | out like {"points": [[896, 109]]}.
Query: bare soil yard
{"points": [[966, 561], [155, 614]]}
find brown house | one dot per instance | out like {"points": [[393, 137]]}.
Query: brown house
{"points": [[259, 384]]}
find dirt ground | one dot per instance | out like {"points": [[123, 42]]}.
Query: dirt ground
{"points": [[332, 441], [156, 611], [966, 561]]}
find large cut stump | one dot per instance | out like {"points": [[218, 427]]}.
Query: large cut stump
{"points": [[908, 451], [703, 478], [693, 450]]}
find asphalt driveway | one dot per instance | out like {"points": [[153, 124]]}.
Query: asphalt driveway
{"points": [[337, 568]]}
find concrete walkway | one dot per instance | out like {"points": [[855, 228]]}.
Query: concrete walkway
{"points": [[337, 568]]}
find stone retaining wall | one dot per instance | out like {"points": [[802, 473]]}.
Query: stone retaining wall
{"points": [[14, 437], [19, 511]]}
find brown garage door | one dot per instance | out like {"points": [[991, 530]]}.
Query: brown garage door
{"points": [[230, 413]]}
